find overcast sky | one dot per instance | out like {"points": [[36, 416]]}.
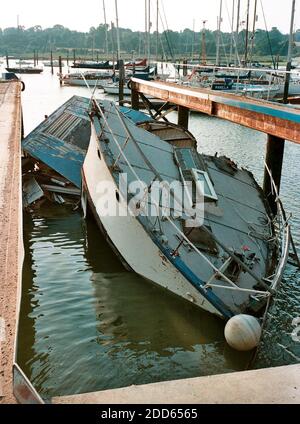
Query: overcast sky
{"points": [[81, 15]]}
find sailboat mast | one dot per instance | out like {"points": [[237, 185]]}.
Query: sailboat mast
{"points": [[106, 35], [232, 31], [253, 30], [289, 56], [247, 34], [157, 35], [237, 31], [146, 28], [118, 34], [149, 30], [219, 34]]}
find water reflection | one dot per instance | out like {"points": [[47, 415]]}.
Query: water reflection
{"points": [[88, 324]]}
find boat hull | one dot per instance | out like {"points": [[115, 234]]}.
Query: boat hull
{"points": [[141, 255], [24, 70], [82, 83]]}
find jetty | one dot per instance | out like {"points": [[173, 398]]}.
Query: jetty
{"points": [[11, 246], [279, 122]]}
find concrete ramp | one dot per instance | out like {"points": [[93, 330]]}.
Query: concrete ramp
{"points": [[265, 386]]}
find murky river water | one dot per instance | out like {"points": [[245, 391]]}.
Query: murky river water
{"points": [[87, 324]]}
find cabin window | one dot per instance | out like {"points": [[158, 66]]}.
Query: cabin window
{"points": [[203, 182]]}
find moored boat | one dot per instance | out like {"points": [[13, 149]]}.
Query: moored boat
{"points": [[25, 70], [93, 79]]}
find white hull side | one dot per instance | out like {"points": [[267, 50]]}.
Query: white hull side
{"points": [[115, 90], [132, 241], [81, 83]]}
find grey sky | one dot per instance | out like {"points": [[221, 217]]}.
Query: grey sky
{"points": [[81, 15]]}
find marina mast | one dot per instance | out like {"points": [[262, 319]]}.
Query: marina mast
{"points": [[237, 31], [289, 56], [219, 35], [105, 23], [247, 34], [118, 34]]}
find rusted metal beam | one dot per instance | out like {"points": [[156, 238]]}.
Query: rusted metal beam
{"points": [[271, 118]]}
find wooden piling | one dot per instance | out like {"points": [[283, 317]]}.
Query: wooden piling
{"points": [[274, 159], [183, 117], [135, 101], [184, 67], [60, 70], [74, 57], [7, 60], [34, 58], [121, 81], [51, 61]]}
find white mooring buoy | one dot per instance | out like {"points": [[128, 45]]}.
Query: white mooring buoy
{"points": [[242, 332]]}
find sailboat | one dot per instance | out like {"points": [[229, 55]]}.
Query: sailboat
{"points": [[228, 264]]}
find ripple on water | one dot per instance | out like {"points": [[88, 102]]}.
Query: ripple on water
{"points": [[86, 324]]}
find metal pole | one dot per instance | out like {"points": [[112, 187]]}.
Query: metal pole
{"points": [[219, 35], [289, 56]]}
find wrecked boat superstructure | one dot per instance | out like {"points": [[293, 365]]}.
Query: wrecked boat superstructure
{"points": [[226, 266]]}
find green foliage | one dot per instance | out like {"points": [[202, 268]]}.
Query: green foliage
{"points": [[21, 41]]}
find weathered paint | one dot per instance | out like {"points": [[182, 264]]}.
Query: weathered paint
{"points": [[270, 118], [11, 246], [61, 141]]}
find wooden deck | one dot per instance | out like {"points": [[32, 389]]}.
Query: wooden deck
{"points": [[11, 246]]}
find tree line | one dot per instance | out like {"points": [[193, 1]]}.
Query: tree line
{"points": [[168, 44]]}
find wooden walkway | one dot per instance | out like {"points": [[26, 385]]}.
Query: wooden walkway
{"points": [[271, 118], [11, 246]]}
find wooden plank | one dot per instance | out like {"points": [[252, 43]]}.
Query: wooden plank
{"points": [[11, 246]]}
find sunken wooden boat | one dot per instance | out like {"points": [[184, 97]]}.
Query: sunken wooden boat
{"points": [[229, 265]]}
